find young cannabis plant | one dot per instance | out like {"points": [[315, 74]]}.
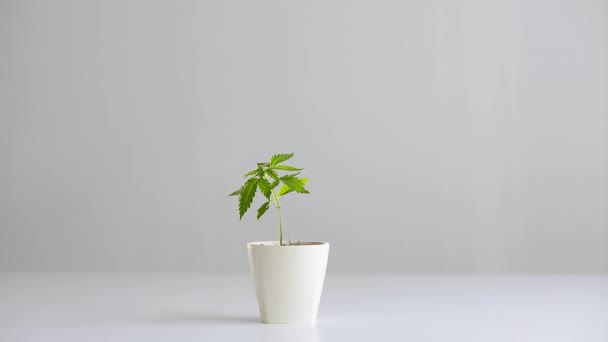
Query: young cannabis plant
{"points": [[266, 178]]}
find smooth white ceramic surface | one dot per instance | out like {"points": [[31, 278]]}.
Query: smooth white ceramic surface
{"points": [[191, 307], [288, 280]]}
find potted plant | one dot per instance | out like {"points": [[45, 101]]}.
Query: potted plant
{"points": [[288, 276]]}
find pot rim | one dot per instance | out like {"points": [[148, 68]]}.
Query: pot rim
{"points": [[275, 244]]}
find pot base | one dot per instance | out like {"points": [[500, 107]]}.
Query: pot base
{"points": [[288, 280]]}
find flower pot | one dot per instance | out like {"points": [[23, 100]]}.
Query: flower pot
{"points": [[288, 279]]}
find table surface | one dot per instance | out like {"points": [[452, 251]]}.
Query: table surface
{"points": [[195, 307]]}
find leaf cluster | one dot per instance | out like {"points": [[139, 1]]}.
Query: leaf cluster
{"points": [[266, 179]]}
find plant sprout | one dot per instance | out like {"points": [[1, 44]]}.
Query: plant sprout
{"points": [[266, 178]]}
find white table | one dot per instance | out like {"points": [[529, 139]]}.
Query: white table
{"points": [[195, 307]]}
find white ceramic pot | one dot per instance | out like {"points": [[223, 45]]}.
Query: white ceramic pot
{"points": [[288, 280]]}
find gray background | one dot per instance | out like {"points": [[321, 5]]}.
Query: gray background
{"points": [[440, 136]]}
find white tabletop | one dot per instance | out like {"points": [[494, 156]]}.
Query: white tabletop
{"points": [[194, 307]]}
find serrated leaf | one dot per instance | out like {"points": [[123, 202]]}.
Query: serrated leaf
{"points": [[265, 187], [251, 173], [237, 192], [294, 183], [286, 168], [272, 173], [247, 195], [279, 158], [274, 184], [285, 189], [263, 209]]}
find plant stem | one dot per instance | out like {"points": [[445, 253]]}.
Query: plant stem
{"points": [[276, 199]]}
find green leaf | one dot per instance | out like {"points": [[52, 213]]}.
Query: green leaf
{"points": [[272, 173], [274, 184], [286, 168], [295, 183], [263, 209], [237, 192], [279, 158], [247, 195], [286, 189], [265, 187], [251, 173]]}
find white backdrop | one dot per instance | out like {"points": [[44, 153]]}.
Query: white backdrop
{"points": [[439, 136]]}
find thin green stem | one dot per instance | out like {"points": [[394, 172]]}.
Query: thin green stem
{"points": [[276, 199]]}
